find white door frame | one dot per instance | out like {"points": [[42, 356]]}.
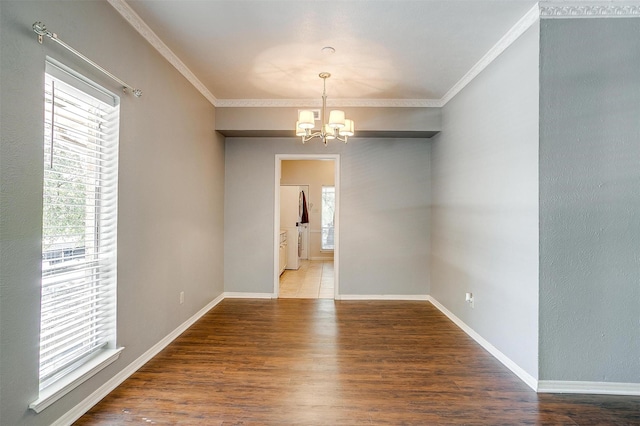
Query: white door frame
{"points": [[276, 215]]}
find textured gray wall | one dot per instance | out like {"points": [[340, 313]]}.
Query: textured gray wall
{"points": [[484, 222], [170, 192], [384, 213], [590, 200]]}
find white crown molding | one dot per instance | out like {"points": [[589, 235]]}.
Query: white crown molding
{"points": [[139, 25], [512, 35], [136, 22], [386, 103], [589, 9], [317, 103], [601, 388], [545, 9]]}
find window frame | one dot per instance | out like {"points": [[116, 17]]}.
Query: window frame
{"points": [[90, 163], [330, 229]]}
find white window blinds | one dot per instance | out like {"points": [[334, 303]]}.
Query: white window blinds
{"points": [[79, 223]]}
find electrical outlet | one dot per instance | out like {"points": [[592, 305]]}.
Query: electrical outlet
{"points": [[181, 297], [468, 297]]}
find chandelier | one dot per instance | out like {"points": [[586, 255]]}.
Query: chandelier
{"points": [[337, 127]]}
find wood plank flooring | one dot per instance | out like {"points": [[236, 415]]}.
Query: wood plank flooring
{"points": [[325, 362]]}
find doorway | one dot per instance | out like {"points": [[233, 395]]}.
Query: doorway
{"points": [[319, 175]]}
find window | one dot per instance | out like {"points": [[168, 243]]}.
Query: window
{"points": [[78, 302], [328, 217]]}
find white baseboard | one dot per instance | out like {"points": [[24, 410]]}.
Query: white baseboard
{"points": [[531, 381], [242, 295], [604, 388], [382, 297], [321, 258], [76, 412]]}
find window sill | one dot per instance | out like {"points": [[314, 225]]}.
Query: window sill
{"points": [[60, 388]]}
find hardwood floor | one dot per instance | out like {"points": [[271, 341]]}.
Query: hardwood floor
{"points": [[325, 362]]}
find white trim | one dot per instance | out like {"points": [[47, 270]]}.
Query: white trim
{"points": [[139, 25], [243, 295], [506, 361], [276, 215], [57, 390], [604, 388], [336, 226], [516, 31], [85, 405], [421, 297], [546, 10], [599, 9], [276, 227], [334, 102], [507, 40]]}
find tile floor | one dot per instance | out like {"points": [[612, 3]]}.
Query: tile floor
{"points": [[314, 280]]}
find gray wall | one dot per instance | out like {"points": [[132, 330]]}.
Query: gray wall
{"points": [[170, 193], [484, 222], [384, 213], [590, 200]]}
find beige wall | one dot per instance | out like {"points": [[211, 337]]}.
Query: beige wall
{"points": [[316, 174]]}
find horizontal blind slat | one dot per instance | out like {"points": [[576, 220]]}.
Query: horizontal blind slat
{"points": [[79, 226], [65, 274], [54, 310], [53, 366], [69, 337]]}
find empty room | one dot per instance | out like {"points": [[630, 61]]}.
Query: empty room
{"points": [[319, 212]]}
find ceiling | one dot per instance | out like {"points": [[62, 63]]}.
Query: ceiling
{"points": [[384, 49]]}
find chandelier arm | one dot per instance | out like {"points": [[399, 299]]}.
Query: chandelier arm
{"points": [[307, 138]]}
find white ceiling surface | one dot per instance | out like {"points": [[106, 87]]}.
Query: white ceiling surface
{"points": [[385, 49]]}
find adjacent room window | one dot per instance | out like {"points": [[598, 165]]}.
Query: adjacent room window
{"points": [[78, 307], [328, 217]]}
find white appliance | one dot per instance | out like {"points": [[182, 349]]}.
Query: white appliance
{"points": [[282, 253], [290, 215]]}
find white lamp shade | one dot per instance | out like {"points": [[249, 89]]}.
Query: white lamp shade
{"points": [[331, 134], [336, 119], [348, 128], [299, 131], [306, 120]]}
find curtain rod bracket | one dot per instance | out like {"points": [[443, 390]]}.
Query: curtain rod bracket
{"points": [[40, 29]]}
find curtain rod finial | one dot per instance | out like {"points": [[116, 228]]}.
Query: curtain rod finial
{"points": [[39, 28]]}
